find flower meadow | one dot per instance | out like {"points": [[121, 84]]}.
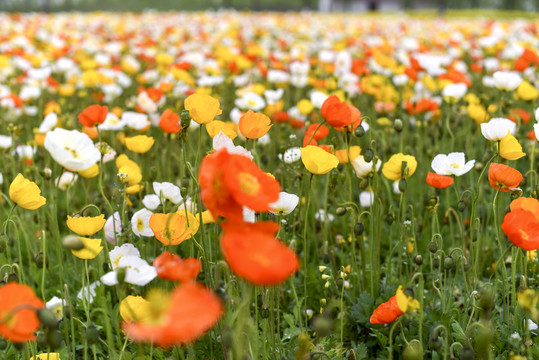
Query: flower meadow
{"points": [[224, 185]]}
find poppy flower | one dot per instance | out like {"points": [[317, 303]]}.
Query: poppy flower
{"points": [[392, 169], [503, 177], [71, 149], [93, 115], [522, 229], [230, 181], [392, 309], [89, 173], [439, 181], [202, 108], [318, 161], [214, 128], [92, 248], [342, 154], [451, 164], [140, 143], [254, 125], [86, 225], [172, 267], [316, 131], [497, 128], [26, 193], [135, 308], [510, 148], [173, 228], [18, 318], [254, 254], [177, 325], [169, 122], [339, 114]]}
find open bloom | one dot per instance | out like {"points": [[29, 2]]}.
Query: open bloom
{"points": [[392, 309], [254, 125], [451, 164], [18, 318], [92, 248], [285, 205], [140, 143], [439, 181], [173, 228], [26, 193], [339, 114], [140, 223], [93, 115], [254, 254], [363, 168], [506, 80], [171, 324], [503, 177], [169, 122], [202, 108], [72, 149], [86, 225], [317, 160], [393, 168], [521, 224], [137, 271], [497, 128]]}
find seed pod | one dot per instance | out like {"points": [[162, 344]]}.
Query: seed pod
{"points": [[341, 210], [368, 155], [433, 247], [92, 334], [359, 132], [359, 228], [47, 318]]}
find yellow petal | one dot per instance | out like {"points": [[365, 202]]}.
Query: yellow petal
{"points": [[140, 143], [317, 160], [135, 308], [86, 225], [26, 193], [92, 248], [510, 148]]}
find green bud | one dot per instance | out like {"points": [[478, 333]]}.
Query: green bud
{"points": [[413, 351], [461, 206], [185, 119], [47, 318], [359, 132], [435, 343], [368, 155], [397, 125], [359, 228], [418, 260], [264, 313], [436, 262], [341, 210], [466, 353], [38, 260], [433, 247], [92, 334], [322, 325], [54, 339], [448, 263], [72, 242], [12, 278]]}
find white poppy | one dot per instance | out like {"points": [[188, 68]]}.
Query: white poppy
{"points": [[48, 123], [66, 180], [72, 149], [168, 191], [451, 164], [112, 122], [88, 292], [119, 251], [113, 227], [285, 204], [321, 215], [151, 201], [140, 223], [497, 128], [273, 96], [146, 103], [135, 121], [455, 90], [507, 80], [56, 305], [536, 131], [5, 141], [222, 141], [317, 98], [251, 101], [362, 167], [137, 272], [366, 198], [291, 155]]}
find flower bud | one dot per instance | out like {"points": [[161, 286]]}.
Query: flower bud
{"points": [[397, 125], [359, 228], [368, 155], [359, 132], [72, 242], [47, 318], [433, 247], [264, 313], [448, 263], [341, 210], [185, 119], [418, 260], [413, 351], [461, 206], [54, 339], [38, 260], [466, 353]]}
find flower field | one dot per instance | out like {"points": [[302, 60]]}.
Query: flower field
{"points": [[224, 185]]}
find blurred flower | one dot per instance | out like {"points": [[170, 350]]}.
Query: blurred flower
{"points": [[67, 179], [285, 205], [202, 108], [169, 122], [254, 125], [93, 115], [92, 248], [135, 308], [18, 312], [506, 80], [172, 267], [173, 228], [510, 148], [139, 144], [113, 228]]}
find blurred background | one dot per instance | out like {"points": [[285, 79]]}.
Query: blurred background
{"points": [[264, 5]]}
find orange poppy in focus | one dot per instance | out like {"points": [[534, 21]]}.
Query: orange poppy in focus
{"points": [[522, 229], [172, 267], [230, 181], [439, 181], [254, 254], [391, 310], [173, 228], [93, 115], [179, 318], [18, 318], [503, 177], [169, 122], [254, 125]]}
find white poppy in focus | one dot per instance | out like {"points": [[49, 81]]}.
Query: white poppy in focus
{"points": [[285, 204], [497, 128], [140, 223], [451, 164], [168, 191], [72, 149]]}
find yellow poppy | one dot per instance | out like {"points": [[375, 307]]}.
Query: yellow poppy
{"points": [[91, 172], [228, 128], [130, 174], [47, 356], [92, 248], [135, 308], [393, 168], [86, 225], [26, 193], [510, 148], [140, 143], [254, 125], [317, 160], [342, 154], [202, 108]]}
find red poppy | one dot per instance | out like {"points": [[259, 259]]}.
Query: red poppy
{"points": [[172, 267], [18, 318], [439, 181], [229, 181], [317, 131], [522, 229], [339, 114], [254, 254], [188, 312], [503, 177], [93, 115], [386, 312], [170, 122]]}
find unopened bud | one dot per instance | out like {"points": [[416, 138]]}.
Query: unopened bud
{"points": [[72, 242], [397, 125], [341, 210], [360, 131], [47, 318], [368, 155]]}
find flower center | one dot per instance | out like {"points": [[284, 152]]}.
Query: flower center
{"points": [[249, 183], [455, 165], [140, 225]]}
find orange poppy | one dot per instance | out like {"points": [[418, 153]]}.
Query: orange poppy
{"points": [[339, 114], [169, 122], [179, 318], [316, 131], [524, 203], [522, 229], [391, 310], [18, 318], [439, 181], [504, 177], [254, 125], [172, 267], [173, 228], [254, 254], [93, 114], [230, 181]]}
